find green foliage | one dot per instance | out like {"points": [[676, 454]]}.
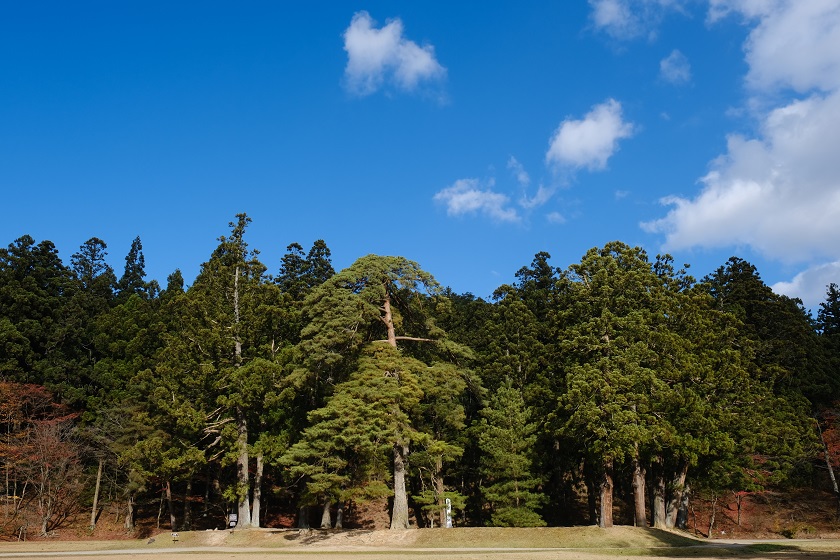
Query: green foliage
{"points": [[344, 454], [132, 281], [335, 378], [787, 351], [299, 274], [610, 313], [506, 437]]}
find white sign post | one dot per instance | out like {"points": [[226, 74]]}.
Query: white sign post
{"points": [[448, 513]]}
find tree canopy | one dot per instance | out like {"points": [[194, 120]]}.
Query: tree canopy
{"points": [[618, 383]]}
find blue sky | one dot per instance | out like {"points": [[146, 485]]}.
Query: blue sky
{"points": [[464, 136]]}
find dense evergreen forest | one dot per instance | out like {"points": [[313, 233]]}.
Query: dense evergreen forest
{"points": [[290, 387]]}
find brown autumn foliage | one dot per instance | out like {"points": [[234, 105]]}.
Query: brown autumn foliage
{"points": [[40, 460]]}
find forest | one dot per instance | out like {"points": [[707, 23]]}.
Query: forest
{"points": [[294, 390]]}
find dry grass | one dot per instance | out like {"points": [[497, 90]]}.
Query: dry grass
{"points": [[557, 543], [463, 543]]}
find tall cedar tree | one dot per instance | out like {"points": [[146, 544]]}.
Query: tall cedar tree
{"points": [[609, 379], [216, 376], [35, 287]]}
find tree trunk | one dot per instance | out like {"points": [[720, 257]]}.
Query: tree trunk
{"points": [[188, 505], [43, 506], [242, 478], [388, 319], [257, 501], [172, 525], [129, 514], [339, 515], [607, 496], [640, 515], [675, 495], [303, 518], [439, 490], [591, 497], [96, 494], [682, 514], [712, 516], [237, 341], [399, 515], [326, 520], [205, 507], [828, 464], [242, 459], [8, 470], [658, 509], [160, 508]]}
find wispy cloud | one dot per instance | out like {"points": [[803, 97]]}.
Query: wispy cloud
{"points": [[675, 69], [542, 196], [469, 196], [555, 218], [526, 201], [591, 141], [630, 19], [519, 172], [380, 57]]}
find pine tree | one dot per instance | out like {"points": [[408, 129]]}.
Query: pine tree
{"points": [[319, 267], [828, 316], [34, 289], [787, 353], [376, 301], [293, 268], [828, 326], [506, 436], [345, 452], [132, 281], [93, 297]]}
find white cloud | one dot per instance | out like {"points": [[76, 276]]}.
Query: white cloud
{"points": [[591, 141], [810, 285], [614, 17], [629, 19], [794, 44], [527, 202], [779, 193], [719, 9], [467, 196], [542, 196], [376, 57], [675, 69], [621, 194], [519, 172], [555, 218]]}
